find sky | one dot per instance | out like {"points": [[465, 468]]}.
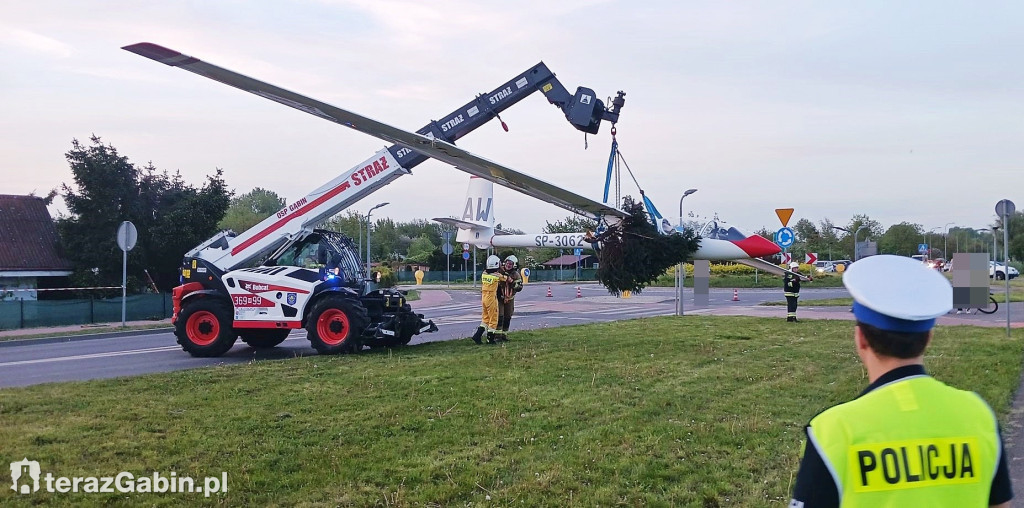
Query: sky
{"points": [[903, 111]]}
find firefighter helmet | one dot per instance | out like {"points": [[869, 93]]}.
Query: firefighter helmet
{"points": [[512, 259], [794, 264], [493, 262]]}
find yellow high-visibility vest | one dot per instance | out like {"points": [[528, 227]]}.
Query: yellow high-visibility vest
{"points": [[913, 442]]}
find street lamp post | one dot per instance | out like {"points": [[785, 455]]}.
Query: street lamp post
{"points": [[928, 241], [856, 246], [368, 224], [681, 270], [945, 240], [994, 251], [856, 250]]}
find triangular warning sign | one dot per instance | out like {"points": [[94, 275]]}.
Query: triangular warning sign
{"points": [[784, 215]]}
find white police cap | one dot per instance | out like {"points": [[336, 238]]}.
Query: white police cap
{"points": [[897, 293]]}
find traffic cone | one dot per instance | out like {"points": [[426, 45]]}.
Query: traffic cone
{"points": [[735, 295], [579, 294], [549, 291]]}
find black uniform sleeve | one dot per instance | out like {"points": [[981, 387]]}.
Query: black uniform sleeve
{"points": [[815, 487], [1002, 490]]}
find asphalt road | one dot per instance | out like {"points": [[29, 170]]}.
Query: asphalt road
{"points": [[456, 312]]}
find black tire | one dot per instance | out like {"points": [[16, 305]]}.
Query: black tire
{"points": [[991, 308], [264, 339], [1000, 276], [204, 327], [336, 324]]}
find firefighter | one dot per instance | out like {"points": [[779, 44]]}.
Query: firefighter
{"points": [[507, 290], [791, 289], [907, 439], [489, 297]]}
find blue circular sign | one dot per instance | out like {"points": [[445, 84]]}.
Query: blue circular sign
{"points": [[526, 272], [465, 255], [785, 237]]}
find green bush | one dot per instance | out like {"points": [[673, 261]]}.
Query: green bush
{"points": [[388, 278]]}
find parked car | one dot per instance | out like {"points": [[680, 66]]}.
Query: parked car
{"points": [[1000, 270], [845, 262], [832, 266]]}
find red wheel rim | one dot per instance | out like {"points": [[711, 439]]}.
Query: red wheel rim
{"points": [[332, 327], [203, 328]]}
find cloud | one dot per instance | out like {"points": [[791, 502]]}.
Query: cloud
{"points": [[35, 43]]}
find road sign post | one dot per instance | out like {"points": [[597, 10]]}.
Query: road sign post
{"points": [[127, 235], [1004, 209], [446, 249]]}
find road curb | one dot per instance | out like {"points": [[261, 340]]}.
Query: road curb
{"points": [[88, 336]]}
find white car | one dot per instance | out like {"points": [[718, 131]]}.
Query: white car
{"points": [[999, 270], [824, 266]]}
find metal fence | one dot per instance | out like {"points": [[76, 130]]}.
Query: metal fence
{"points": [[34, 313]]}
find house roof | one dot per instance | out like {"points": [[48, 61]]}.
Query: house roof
{"points": [[568, 259], [28, 236]]}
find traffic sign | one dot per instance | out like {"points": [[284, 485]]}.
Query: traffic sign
{"points": [[1005, 207], [577, 252], [787, 258], [465, 255], [784, 215], [127, 235], [446, 249], [785, 237], [526, 272], [922, 248], [811, 258]]}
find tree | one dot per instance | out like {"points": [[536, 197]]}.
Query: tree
{"points": [[250, 209], [171, 217], [384, 239], [873, 230], [420, 250], [1016, 246], [572, 224], [349, 223], [634, 253], [901, 239]]}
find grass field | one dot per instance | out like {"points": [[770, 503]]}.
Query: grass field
{"points": [[689, 411]]}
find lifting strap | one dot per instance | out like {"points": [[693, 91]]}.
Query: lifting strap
{"points": [[614, 158]]}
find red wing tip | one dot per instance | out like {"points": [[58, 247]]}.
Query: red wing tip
{"points": [[756, 246]]}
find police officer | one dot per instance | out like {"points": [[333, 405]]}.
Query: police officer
{"points": [[507, 290], [908, 439], [791, 289], [489, 299]]}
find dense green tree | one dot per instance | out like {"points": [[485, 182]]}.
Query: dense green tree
{"points": [[385, 240], [420, 250], [1016, 237], [571, 224], [901, 239], [350, 223], [250, 209], [873, 231], [634, 253], [171, 217]]}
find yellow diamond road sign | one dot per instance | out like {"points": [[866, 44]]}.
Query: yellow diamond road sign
{"points": [[784, 215]]}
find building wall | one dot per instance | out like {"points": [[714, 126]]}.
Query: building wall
{"points": [[18, 288]]}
